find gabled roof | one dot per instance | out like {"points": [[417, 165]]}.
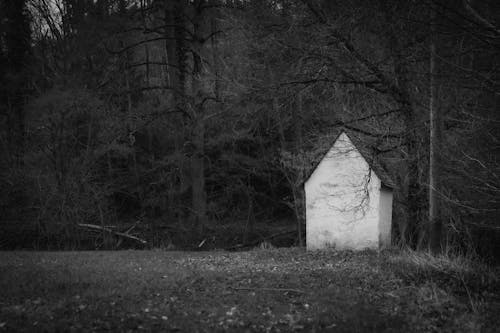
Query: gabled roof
{"points": [[367, 153]]}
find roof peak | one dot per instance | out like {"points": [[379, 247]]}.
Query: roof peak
{"points": [[366, 152]]}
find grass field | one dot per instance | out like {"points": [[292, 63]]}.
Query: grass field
{"points": [[278, 290]]}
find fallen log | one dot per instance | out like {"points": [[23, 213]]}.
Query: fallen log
{"points": [[116, 233]]}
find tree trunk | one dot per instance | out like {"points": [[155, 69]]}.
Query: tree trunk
{"points": [[177, 69], [413, 199], [180, 56], [199, 197], [413, 231], [250, 222], [435, 136], [171, 21], [299, 188], [17, 49], [402, 95], [215, 58]]}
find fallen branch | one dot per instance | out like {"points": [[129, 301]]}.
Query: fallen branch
{"points": [[117, 233], [272, 289]]}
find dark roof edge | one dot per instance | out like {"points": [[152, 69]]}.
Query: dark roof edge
{"points": [[385, 179], [315, 166]]}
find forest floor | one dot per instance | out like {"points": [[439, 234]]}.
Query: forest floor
{"points": [[276, 290]]}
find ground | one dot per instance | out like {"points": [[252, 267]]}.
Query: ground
{"points": [[276, 290]]}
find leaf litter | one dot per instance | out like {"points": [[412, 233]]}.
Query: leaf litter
{"points": [[272, 290]]}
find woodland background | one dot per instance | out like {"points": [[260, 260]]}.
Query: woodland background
{"points": [[193, 124]]}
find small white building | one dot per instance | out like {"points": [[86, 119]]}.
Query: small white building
{"points": [[348, 200]]}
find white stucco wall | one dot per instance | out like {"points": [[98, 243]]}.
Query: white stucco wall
{"points": [[385, 217], [342, 201]]}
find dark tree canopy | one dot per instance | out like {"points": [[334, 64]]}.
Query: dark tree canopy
{"points": [[196, 122]]}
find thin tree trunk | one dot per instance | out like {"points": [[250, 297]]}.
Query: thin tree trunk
{"points": [[17, 48], [172, 67], [299, 189], [177, 59], [215, 58], [413, 199], [171, 80], [435, 222], [199, 197], [130, 122], [250, 222]]}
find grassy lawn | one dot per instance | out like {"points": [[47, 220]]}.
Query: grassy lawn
{"points": [[278, 290]]}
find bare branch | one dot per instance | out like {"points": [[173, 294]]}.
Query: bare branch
{"points": [[117, 233], [480, 18]]}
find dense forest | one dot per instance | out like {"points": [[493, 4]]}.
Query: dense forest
{"points": [[194, 123]]}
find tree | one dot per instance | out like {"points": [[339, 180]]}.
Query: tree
{"points": [[435, 138], [183, 113], [14, 54], [370, 71]]}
